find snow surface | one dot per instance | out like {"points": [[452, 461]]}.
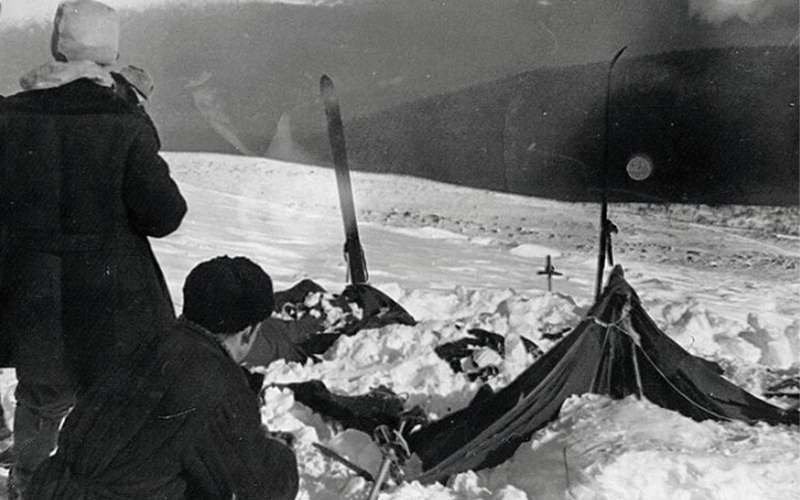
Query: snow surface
{"points": [[459, 258]]}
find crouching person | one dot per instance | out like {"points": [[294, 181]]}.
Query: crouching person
{"points": [[178, 420]]}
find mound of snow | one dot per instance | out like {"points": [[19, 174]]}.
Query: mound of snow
{"points": [[601, 449]]}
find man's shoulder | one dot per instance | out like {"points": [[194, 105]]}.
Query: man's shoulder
{"points": [[194, 349], [206, 372], [13, 102], [80, 97]]}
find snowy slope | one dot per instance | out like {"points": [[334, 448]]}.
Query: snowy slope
{"points": [[459, 258], [424, 236]]}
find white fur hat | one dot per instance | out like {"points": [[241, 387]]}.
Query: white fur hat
{"points": [[85, 30]]}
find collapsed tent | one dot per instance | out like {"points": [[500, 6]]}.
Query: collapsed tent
{"points": [[616, 350], [465, 354], [379, 407], [309, 320]]}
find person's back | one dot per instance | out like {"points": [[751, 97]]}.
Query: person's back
{"points": [[178, 420], [82, 187], [81, 170]]}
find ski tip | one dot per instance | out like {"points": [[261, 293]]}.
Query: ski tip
{"points": [[618, 54], [327, 89]]}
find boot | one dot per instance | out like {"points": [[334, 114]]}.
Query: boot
{"points": [[18, 483], [34, 439]]}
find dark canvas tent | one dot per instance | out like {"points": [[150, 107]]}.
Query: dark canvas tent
{"points": [[303, 337], [616, 350]]}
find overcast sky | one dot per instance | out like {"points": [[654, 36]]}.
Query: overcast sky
{"points": [[16, 11]]}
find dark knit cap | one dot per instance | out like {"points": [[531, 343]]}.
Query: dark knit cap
{"points": [[226, 295]]}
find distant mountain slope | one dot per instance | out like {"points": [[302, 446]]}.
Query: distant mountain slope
{"points": [[255, 62], [243, 77], [720, 125], [262, 60]]}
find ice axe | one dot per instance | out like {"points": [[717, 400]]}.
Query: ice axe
{"points": [[550, 271], [395, 452]]}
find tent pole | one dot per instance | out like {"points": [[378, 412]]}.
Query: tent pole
{"points": [[593, 386], [639, 394]]}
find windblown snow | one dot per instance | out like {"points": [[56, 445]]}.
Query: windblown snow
{"points": [[459, 258]]}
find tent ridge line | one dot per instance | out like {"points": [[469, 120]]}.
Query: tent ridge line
{"points": [[592, 386], [684, 396]]}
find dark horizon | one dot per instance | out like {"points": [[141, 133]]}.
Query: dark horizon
{"points": [[231, 77]]}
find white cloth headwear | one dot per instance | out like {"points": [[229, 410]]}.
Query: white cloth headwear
{"points": [[85, 30]]}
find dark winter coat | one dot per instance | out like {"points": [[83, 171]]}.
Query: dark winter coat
{"points": [[177, 422], [82, 186]]}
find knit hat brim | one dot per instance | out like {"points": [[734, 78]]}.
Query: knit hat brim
{"points": [[226, 295]]}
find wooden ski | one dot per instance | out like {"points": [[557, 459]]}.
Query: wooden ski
{"points": [[356, 262], [604, 252]]}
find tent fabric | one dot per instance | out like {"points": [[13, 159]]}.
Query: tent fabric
{"points": [[616, 350], [281, 339], [365, 412], [306, 336], [378, 309], [463, 355]]}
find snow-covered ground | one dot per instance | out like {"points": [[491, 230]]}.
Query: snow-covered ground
{"points": [[723, 282]]}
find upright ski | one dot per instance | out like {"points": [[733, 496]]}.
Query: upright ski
{"points": [[606, 226], [354, 253]]}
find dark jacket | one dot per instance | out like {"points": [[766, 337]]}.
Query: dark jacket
{"points": [[82, 186], [177, 421]]}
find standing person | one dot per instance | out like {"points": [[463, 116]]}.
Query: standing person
{"points": [[82, 186], [178, 420]]}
